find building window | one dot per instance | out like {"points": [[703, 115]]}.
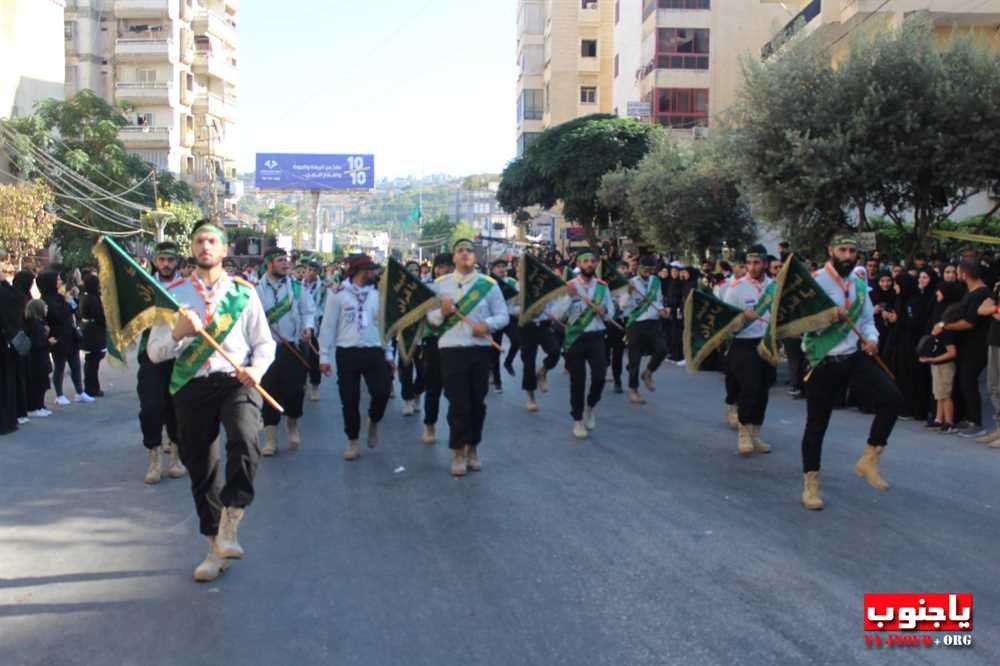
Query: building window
{"points": [[618, 11], [68, 30], [145, 76], [650, 6], [524, 140], [529, 105], [588, 48], [548, 98], [588, 95], [682, 108], [682, 48], [588, 4], [616, 65]]}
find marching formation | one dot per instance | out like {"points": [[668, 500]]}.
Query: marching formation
{"points": [[223, 360]]}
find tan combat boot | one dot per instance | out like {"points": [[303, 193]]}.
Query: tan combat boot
{"points": [[270, 441], [372, 434], [635, 398], [579, 430], [732, 417], [532, 405], [542, 378], [867, 467], [155, 470], [213, 565], [810, 492], [458, 467], [294, 439], [589, 419], [314, 393], [428, 437], [353, 451], [990, 437], [227, 543], [745, 441], [408, 408], [647, 379], [175, 469], [759, 446], [472, 462]]}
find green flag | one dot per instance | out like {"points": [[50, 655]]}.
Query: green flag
{"points": [[407, 341], [538, 285], [508, 290], [133, 300], [708, 322], [616, 281], [800, 306], [403, 299]]}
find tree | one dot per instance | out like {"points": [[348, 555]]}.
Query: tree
{"points": [[67, 141], [900, 126], [183, 217], [459, 231], [280, 220], [566, 163], [25, 221], [681, 200], [438, 229]]}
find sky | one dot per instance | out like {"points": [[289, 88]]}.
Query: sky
{"points": [[427, 86]]}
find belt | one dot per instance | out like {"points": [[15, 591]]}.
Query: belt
{"points": [[840, 358]]}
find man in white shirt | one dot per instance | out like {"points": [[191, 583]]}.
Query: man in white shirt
{"points": [[646, 309], [290, 313], [350, 336], [472, 308], [209, 393], [837, 363], [749, 377]]}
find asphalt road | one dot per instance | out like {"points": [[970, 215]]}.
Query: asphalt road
{"points": [[651, 543]]}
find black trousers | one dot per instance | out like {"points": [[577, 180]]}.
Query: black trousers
{"points": [[203, 405], [825, 386], [59, 362], [533, 336], [315, 376], [587, 350], [797, 365], [156, 406], [676, 336], [285, 381], [411, 376], [433, 382], [353, 363], [752, 377], [513, 333], [644, 338], [466, 374], [971, 363], [614, 342], [91, 369]]}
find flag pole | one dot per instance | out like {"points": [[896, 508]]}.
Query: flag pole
{"points": [[290, 347], [222, 352]]}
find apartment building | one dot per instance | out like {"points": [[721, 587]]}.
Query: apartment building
{"points": [[682, 58], [172, 65], [831, 21], [564, 55]]}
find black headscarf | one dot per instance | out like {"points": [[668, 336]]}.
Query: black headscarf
{"points": [[951, 293], [921, 302], [23, 282], [884, 297], [48, 284]]}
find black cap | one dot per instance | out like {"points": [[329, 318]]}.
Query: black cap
{"points": [[274, 253], [443, 259], [649, 261]]}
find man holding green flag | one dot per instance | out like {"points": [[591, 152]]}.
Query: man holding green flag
{"points": [[209, 394], [838, 363], [643, 329], [586, 304]]}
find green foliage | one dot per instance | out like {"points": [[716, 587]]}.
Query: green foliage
{"points": [[459, 231], [899, 125], [280, 220], [82, 133], [567, 162]]}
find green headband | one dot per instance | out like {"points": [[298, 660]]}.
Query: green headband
{"points": [[584, 255], [463, 242], [172, 253], [219, 233], [850, 241], [754, 255]]}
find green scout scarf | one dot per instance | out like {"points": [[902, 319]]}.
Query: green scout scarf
{"points": [[284, 306], [818, 345], [223, 320], [576, 327], [646, 302], [467, 303]]}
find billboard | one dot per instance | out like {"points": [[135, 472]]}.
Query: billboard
{"points": [[301, 171]]}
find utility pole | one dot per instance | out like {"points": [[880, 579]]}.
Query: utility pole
{"points": [[159, 217]]}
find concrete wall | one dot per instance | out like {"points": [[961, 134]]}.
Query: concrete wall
{"points": [[32, 64]]}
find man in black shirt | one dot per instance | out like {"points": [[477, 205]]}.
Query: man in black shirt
{"points": [[993, 368], [973, 330]]}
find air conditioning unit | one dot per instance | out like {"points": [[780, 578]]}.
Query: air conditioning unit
{"points": [[591, 5], [701, 132]]}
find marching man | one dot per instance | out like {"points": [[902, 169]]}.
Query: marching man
{"points": [[290, 312], [472, 308], [643, 327]]}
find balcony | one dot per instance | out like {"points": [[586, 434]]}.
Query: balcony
{"points": [[144, 137], [214, 65], [141, 49], [187, 137], [158, 93], [800, 21], [210, 23], [216, 105], [146, 9]]}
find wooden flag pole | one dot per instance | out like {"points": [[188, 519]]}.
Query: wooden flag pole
{"points": [[257, 387], [493, 343], [604, 318], [290, 347], [876, 357]]}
